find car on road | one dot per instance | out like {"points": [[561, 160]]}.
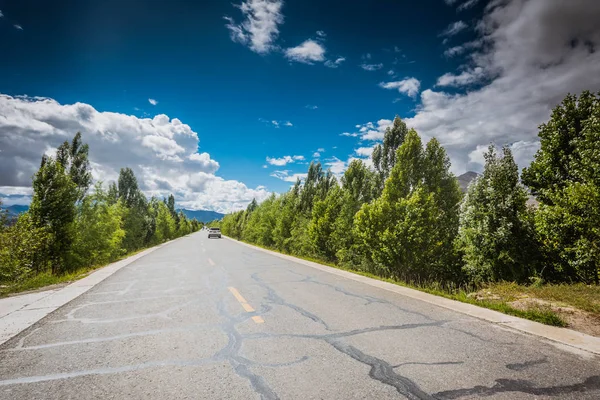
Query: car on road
{"points": [[214, 232]]}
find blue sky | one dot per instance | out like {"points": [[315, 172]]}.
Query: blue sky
{"points": [[228, 79]]}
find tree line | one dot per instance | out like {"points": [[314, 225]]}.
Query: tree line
{"points": [[71, 225], [405, 217]]}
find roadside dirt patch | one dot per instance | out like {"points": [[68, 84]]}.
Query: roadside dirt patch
{"points": [[578, 320]]}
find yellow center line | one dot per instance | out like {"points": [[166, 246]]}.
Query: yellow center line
{"points": [[211, 262], [245, 304]]}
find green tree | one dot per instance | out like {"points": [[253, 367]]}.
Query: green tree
{"points": [[565, 177], [99, 230], [165, 224], [323, 223], [74, 159], [53, 207], [23, 247], [406, 232], [495, 234], [384, 155], [136, 220]]}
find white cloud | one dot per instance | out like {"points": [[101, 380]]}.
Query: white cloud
{"points": [[260, 27], [288, 123], [316, 154], [18, 27], [321, 34], [307, 52], [371, 67], [390, 72], [334, 64], [458, 50], [285, 176], [408, 86], [532, 55], [311, 107], [163, 152], [349, 134], [283, 160], [454, 28], [321, 149], [153, 102], [467, 4], [1, 15], [371, 131], [462, 79], [336, 166], [364, 151]]}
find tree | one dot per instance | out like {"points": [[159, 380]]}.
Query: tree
{"points": [[53, 206], [322, 225], [136, 220], [563, 140], [165, 224], [384, 156], [495, 234], [23, 247], [565, 177], [405, 233], [99, 230], [74, 159]]}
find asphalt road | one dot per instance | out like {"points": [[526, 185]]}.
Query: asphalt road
{"points": [[212, 319]]}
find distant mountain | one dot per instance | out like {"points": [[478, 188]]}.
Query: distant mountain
{"points": [[203, 215], [16, 209], [465, 179]]}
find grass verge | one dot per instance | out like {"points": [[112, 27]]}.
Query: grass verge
{"points": [[540, 314], [46, 278]]}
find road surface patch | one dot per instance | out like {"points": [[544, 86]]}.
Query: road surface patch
{"points": [[245, 304]]}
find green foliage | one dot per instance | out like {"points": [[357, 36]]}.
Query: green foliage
{"points": [[22, 249], [53, 207], [407, 232], [565, 176], [99, 231], [165, 224], [68, 230], [495, 234], [384, 155], [74, 159]]}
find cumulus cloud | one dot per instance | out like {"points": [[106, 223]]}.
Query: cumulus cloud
{"points": [[287, 177], [462, 79], [283, 160], [307, 52], [260, 26], [321, 34], [311, 107], [163, 152], [370, 130], [336, 63], [454, 28], [408, 86], [531, 55], [371, 67], [153, 102], [467, 4]]}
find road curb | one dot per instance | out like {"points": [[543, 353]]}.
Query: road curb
{"points": [[20, 314], [564, 336]]}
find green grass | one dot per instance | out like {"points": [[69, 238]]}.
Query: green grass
{"points": [[46, 278], [543, 315]]}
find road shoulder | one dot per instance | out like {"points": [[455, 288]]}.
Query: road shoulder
{"points": [[566, 337], [19, 312]]}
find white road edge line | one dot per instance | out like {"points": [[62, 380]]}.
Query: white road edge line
{"points": [[564, 336]]}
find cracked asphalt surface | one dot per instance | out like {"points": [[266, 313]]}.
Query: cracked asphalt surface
{"points": [[168, 327]]}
